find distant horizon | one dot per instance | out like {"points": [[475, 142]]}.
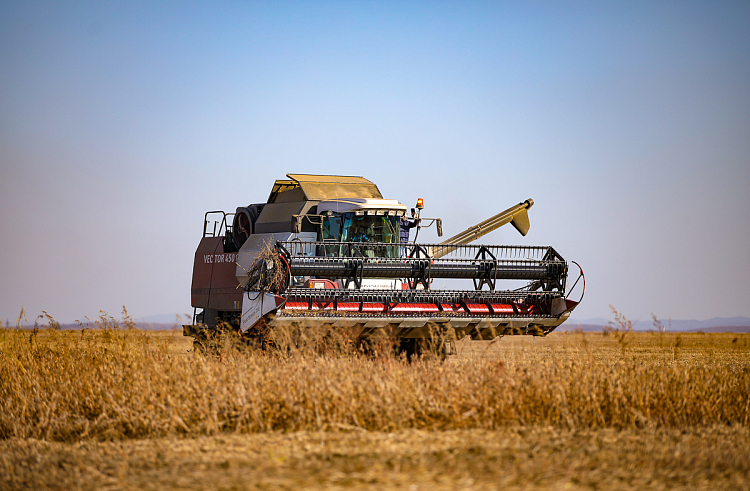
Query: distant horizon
{"points": [[640, 325], [172, 318]]}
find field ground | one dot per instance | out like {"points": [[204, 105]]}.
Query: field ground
{"points": [[510, 458], [671, 412]]}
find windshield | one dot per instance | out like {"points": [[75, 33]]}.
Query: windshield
{"points": [[350, 227]]}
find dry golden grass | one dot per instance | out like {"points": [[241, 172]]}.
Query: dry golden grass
{"points": [[511, 458], [113, 383], [121, 408]]}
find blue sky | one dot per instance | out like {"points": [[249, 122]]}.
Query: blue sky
{"points": [[628, 123]]}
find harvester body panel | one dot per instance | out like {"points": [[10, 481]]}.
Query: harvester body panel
{"points": [[214, 282]]}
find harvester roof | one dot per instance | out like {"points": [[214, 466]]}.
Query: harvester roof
{"points": [[320, 188]]}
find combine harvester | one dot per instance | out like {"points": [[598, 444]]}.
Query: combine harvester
{"points": [[326, 251]]}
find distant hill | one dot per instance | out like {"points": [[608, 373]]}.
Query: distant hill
{"points": [[717, 324], [166, 319], [722, 329], [574, 326], [146, 326], [568, 326]]}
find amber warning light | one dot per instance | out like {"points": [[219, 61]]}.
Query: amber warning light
{"points": [[420, 204]]}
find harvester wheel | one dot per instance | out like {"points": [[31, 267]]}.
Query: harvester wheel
{"points": [[415, 348], [206, 345], [199, 347], [409, 347]]}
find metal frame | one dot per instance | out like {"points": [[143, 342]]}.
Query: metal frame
{"points": [[542, 266], [223, 225], [394, 297]]}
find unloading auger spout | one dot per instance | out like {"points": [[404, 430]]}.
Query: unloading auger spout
{"points": [[517, 216]]}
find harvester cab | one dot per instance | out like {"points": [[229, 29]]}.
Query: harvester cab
{"points": [[327, 251]]}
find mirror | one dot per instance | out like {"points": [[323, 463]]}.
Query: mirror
{"points": [[296, 224]]}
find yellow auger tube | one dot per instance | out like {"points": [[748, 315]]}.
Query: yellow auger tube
{"points": [[517, 215]]}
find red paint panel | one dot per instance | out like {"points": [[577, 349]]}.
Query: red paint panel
{"points": [[430, 307], [402, 308], [322, 306], [453, 307], [415, 308], [526, 309], [373, 307], [296, 306], [320, 283], [348, 307], [502, 309], [478, 309]]}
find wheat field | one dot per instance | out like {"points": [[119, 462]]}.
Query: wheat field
{"points": [[656, 409]]}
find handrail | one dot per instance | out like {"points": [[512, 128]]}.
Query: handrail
{"points": [[223, 224]]}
